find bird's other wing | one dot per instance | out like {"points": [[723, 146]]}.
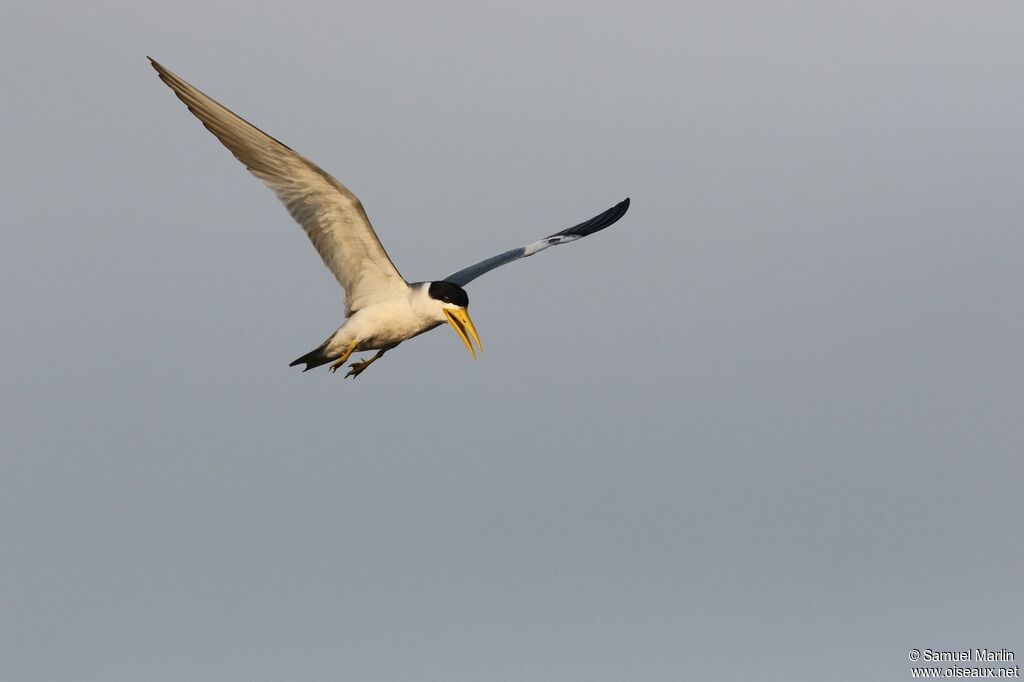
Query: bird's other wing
{"points": [[332, 216], [595, 224]]}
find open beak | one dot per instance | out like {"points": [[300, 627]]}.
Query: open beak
{"points": [[460, 322]]}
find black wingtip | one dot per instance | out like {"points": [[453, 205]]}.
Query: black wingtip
{"points": [[598, 222]]}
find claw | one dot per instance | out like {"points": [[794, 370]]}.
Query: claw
{"points": [[355, 368], [344, 357]]}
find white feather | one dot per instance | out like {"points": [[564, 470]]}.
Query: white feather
{"points": [[332, 216]]}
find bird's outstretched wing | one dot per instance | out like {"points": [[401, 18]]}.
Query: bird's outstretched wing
{"points": [[595, 224], [331, 215]]}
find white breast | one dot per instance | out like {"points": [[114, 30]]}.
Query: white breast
{"points": [[390, 322]]}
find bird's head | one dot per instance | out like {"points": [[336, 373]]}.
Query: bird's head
{"points": [[453, 302]]}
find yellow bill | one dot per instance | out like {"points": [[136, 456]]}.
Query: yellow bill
{"points": [[460, 322]]}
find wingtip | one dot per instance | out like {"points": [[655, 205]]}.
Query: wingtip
{"points": [[618, 210]]}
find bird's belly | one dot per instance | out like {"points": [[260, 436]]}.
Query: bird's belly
{"points": [[386, 326], [392, 337]]}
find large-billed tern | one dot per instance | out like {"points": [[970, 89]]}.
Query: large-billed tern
{"points": [[381, 308]]}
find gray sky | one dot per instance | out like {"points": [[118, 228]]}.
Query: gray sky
{"points": [[769, 426]]}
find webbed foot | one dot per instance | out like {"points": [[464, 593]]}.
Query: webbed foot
{"points": [[356, 368], [344, 357]]}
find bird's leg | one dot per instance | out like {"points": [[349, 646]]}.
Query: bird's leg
{"points": [[357, 367], [344, 356]]}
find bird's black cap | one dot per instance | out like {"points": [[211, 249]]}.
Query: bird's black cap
{"points": [[449, 293]]}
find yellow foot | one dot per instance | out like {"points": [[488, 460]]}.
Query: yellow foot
{"points": [[357, 367], [344, 357]]}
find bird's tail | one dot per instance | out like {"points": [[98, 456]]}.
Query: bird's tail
{"points": [[315, 357]]}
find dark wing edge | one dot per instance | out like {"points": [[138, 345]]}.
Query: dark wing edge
{"points": [[597, 223], [584, 229]]}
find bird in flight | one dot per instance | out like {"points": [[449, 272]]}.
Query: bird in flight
{"points": [[381, 308]]}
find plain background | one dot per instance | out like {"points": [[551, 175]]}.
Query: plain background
{"points": [[769, 426]]}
